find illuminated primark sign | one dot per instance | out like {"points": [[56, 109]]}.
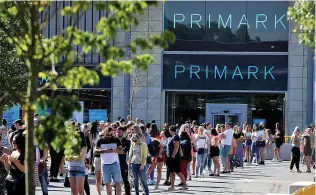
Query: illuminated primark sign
{"points": [[252, 72], [261, 20]]}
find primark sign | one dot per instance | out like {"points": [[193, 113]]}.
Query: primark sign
{"points": [[225, 72], [228, 25], [260, 20]]}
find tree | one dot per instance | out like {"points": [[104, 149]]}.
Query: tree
{"points": [[36, 51], [303, 13], [12, 74]]}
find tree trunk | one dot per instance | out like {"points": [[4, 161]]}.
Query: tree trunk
{"points": [[29, 106]]}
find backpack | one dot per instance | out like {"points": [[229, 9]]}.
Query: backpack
{"points": [[152, 149]]}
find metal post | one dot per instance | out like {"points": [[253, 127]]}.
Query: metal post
{"points": [[310, 88], [127, 79]]}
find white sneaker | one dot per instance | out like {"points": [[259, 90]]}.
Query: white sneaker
{"points": [[280, 160], [257, 164], [274, 160], [149, 182], [153, 182], [248, 163]]}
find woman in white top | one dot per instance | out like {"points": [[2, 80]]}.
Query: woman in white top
{"points": [[201, 142], [254, 148]]}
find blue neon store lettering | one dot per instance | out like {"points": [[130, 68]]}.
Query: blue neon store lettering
{"points": [[222, 72]]}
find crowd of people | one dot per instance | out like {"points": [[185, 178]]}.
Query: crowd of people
{"points": [[129, 154]]}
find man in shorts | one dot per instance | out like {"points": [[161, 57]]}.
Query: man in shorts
{"points": [[110, 163], [226, 142]]}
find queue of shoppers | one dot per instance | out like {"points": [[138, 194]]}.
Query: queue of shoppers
{"points": [[128, 156]]}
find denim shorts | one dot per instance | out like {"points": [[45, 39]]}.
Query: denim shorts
{"points": [[225, 150], [111, 171], [76, 174]]}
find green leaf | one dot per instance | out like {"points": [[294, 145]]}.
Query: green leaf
{"points": [[13, 11]]}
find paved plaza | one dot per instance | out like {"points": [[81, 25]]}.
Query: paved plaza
{"points": [[252, 180]]}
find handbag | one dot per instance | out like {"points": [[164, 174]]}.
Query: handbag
{"points": [[201, 151], [195, 149], [66, 181], [41, 168]]}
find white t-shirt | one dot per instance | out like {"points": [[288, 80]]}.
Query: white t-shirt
{"points": [[201, 143], [255, 134], [229, 136], [261, 135]]}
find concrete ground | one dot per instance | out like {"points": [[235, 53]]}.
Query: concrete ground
{"points": [[273, 177]]}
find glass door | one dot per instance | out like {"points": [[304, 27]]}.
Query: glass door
{"points": [[234, 119], [218, 119]]}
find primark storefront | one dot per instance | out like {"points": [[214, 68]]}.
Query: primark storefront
{"points": [[229, 62]]}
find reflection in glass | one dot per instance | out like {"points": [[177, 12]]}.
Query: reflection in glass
{"points": [[92, 99], [219, 119], [189, 106], [227, 25], [234, 119]]}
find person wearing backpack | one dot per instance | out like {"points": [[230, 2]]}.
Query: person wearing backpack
{"points": [[155, 149]]}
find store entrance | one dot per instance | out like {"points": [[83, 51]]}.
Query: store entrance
{"points": [[221, 113]]}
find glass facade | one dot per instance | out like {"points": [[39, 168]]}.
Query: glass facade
{"points": [[257, 26], [225, 72], [92, 100], [188, 106]]}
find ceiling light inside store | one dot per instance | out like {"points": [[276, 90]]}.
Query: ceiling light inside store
{"points": [[273, 101], [200, 99]]}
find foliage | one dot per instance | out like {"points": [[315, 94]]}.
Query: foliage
{"points": [[303, 13], [12, 70], [44, 55]]}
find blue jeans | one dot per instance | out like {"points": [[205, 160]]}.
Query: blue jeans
{"points": [[254, 150], [208, 161], [136, 173], [200, 161], [44, 183]]}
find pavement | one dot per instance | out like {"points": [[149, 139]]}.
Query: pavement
{"points": [[273, 177]]}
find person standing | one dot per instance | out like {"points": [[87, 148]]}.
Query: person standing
{"points": [[214, 152], [97, 165], [201, 142], [239, 137], [3, 171], [173, 161], [76, 168], [226, 141], [110, 163], [295, 158], [123, 152], [306, 141], [187, 156], [15, 180], [262, 142], [137, 160], [278, 143]]}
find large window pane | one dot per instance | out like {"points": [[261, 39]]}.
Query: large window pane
{"points": [[228, 25], [187, 21], [225, 28], [268, 26]]}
